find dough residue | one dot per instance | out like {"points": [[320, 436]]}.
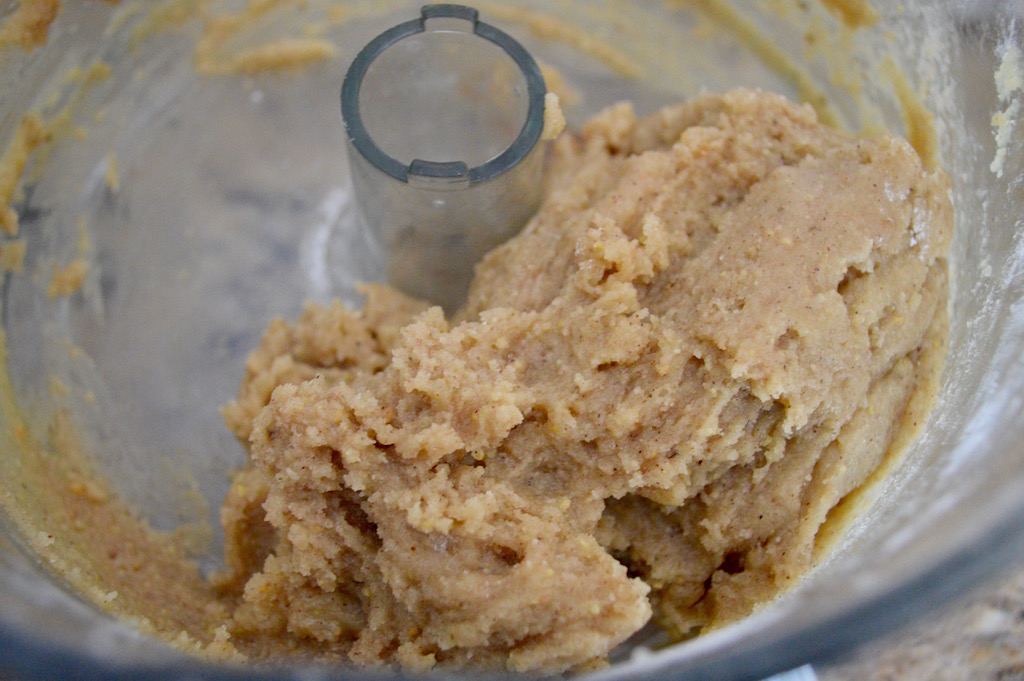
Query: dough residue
{"points": [[31, 133], [853, 13], [12, 256], [712, 332], [283, 54], [28, 26], [1009, 79]]}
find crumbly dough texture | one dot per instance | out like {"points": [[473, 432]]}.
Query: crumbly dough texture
{"points": [[717, 325]]}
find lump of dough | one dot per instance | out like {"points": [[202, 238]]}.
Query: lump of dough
{"points": [[720, 321]]}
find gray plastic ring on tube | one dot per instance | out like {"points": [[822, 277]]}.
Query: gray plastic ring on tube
{"points": [[443, 116]]}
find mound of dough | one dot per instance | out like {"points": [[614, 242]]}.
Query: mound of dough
{"points": [[720, 321]]}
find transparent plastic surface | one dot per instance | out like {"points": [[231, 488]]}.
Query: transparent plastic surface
{"points": [[233, 204], [444, 115], [444, 96]]}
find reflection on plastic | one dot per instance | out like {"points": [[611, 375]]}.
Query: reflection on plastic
{"points": [[805, 673]]}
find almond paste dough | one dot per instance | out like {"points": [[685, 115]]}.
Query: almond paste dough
{"points": [[721, 320]]}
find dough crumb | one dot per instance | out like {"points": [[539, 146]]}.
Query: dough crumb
{"points": [[554, 119], [67, 280]]}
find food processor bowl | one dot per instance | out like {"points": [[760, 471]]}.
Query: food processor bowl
{"points": [[192, 183]]}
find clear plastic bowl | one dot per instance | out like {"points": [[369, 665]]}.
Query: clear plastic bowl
{"points": [[212, 201]]}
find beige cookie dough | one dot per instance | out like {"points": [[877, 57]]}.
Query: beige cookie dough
{"points": [[719, 324]]}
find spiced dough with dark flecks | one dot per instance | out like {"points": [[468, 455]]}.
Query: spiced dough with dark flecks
{"points": [[721, 321]]}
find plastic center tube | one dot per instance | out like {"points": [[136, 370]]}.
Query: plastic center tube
{"points": [[443, 114]]}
